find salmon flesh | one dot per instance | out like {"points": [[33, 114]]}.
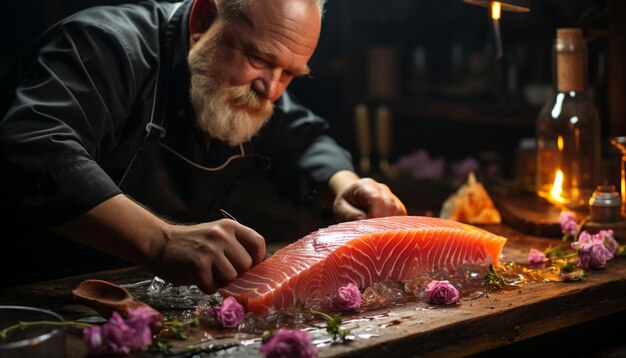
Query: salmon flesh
{"points": [[362, 252]]}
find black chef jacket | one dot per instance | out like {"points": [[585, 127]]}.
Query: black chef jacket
{"points": [[76, 110]]}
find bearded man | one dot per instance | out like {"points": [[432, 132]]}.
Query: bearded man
{"points": [[125, 124]]}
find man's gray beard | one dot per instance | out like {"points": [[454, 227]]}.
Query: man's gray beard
{"points": [[218, 119]]}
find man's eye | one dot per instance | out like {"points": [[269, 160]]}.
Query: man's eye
{"points": [[256, 61], [286, 76]]}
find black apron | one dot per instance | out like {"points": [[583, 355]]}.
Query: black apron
{"points": [[170, 184]]}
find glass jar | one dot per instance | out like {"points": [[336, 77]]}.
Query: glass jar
{"points": [[620, 143], [568, 129]]}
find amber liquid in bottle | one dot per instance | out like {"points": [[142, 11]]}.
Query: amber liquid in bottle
{"points": [[568, 129]]}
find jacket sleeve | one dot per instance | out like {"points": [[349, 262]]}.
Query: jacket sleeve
{"points": [[67, 111], [303, 155]]}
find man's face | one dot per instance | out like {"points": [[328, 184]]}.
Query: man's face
{"points": [[240, 67]]}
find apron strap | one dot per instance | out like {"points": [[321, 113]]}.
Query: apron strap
{"points": [[154, 129]]}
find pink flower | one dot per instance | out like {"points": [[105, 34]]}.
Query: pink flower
{"points": [[593, 256], [95, 343], [569, 224], [536, 257], [583, 239], [418, 165], [119, 336], [141, 319], [113, 337], [606, 236], [230, 314], [442, 292], [348, 298], [594, 250], [289, 344], [463, 168]]}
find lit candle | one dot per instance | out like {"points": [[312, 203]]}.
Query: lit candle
{"points": [[557, 188]]}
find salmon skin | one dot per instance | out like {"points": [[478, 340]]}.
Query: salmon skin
{"points": [[362, 252]]}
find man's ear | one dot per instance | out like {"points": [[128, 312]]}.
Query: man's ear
{"points": [[201, 16]]}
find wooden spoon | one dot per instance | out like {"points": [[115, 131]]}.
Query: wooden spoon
{"points": [[106, 297]]}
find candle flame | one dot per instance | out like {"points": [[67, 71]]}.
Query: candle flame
{"points": [[496, 8], [557, 187], [559, 143]]}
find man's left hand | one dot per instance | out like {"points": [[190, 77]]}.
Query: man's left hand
{"points": [[364, 198]]}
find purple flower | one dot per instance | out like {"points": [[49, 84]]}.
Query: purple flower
{"points": [[606, 236], [348, 298], [536, 257], [463, 168], [288, 343], [584, 238], [119, 336], [95, 343], [592, 250], [593, 256], [442, 292], [142, 319], [418, 165], [113, 337], [569, 223], [230, 314]]}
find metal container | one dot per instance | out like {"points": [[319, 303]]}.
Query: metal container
{"points": [[45, 341], [604, 204]]}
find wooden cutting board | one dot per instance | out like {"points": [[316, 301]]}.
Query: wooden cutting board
{"points": [[528, 213]]}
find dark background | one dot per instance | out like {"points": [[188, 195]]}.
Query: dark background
{"points": [[458, 101], [451, 97]]}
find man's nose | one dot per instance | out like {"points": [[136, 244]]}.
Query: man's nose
{"points": [[267, 85]]}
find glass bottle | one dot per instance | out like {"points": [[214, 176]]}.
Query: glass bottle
{"points": [[568, 128]]}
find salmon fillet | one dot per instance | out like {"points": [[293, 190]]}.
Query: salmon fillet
{"points": [[362, 252]]}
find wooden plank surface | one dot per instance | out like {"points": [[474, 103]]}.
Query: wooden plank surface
{"points": [[529, 213], [413, 329], [534, 216]]}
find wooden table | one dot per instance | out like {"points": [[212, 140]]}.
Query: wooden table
{"points": [[479, 325]]}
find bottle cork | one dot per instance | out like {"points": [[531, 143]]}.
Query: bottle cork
{"points": [[570, 59], [569, 36]]}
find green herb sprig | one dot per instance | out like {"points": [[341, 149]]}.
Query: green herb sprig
{"points": [[494, 281], [177, 328], [333, 327]]}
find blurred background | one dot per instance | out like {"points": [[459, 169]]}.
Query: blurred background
{"points": [[423, 75]]}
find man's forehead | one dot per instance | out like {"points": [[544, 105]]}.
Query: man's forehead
{"points": [[256, 13]]}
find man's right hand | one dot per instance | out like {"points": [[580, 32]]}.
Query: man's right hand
{"points": [[208, 255]]}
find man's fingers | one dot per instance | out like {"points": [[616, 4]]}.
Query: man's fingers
{"points": [[374, 198], [400, 205], [223, 271], [344, 211], [206, 282], [252, 241], [391, 205], [239, 257]]}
